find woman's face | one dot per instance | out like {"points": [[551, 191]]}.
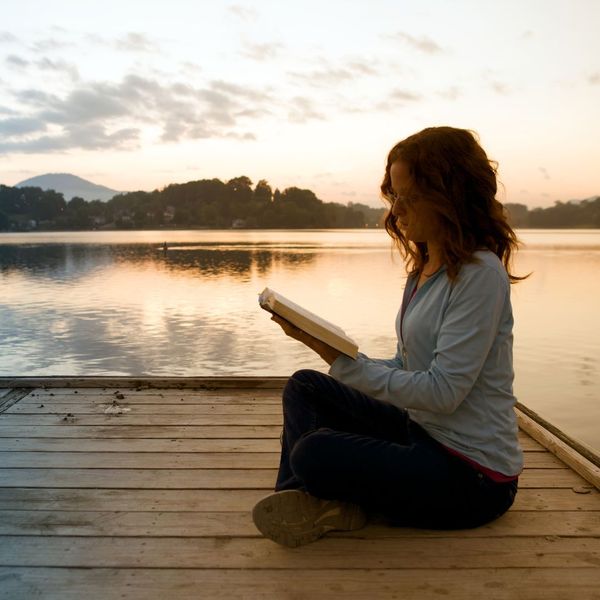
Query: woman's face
{"points": [[418, 222]]}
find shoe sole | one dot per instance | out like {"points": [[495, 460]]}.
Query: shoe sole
{"points": [[293, 518]]}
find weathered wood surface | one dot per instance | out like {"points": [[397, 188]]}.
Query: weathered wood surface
{"points": [[580, 464], [299, 582], [155, 503]]}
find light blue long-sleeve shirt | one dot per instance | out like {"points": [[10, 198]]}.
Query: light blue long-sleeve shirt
{"points": [[453, 366]]}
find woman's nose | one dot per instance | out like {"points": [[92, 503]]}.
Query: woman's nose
{"points": [[398, 208]]}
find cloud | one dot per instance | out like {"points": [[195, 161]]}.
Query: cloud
{"points": [[404, 95], [44, 64], [49, 44], [362, 67], [302, 109], [58, 66], [323, 77], [328, 75], [398, 98], [99, 115], [136, 42], [248, 136], [423, 44], [261, 52], [7, 38], [188, 67], [242, 12], [500, 88], [544, 172], [4, 110], [20, 126], [16, 61], [451, 93], [93, 137], [130, 42], [239, 90]]}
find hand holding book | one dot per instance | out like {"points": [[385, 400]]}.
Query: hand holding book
{"points": [[325, 351], [328, 340]]}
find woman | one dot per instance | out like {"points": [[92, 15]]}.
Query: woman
{"points": [[429, 437]]}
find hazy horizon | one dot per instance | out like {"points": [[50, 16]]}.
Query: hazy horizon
{"points": [[310, 95]]}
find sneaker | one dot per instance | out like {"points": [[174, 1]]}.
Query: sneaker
{"points": [[293, 517]]}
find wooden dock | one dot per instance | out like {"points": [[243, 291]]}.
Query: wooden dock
{"points": [[142, 489]]}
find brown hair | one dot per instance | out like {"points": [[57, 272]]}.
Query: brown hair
{"points": [[451, 172]]}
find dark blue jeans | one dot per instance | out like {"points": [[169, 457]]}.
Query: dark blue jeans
{"points": [[341, 444]]}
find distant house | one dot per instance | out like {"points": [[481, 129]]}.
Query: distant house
{"points": [[238, 224], [169, 214], [125, 216]]}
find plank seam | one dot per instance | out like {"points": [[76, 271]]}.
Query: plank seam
{"points": [[12, 398]]}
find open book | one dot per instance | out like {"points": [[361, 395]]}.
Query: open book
{"points": [[303, 319]]}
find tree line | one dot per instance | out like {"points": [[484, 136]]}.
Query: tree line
{"points": [[207, 203], [214, 204], [562, 215]]}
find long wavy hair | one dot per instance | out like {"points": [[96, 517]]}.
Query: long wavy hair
{"points": [[452, 174]]}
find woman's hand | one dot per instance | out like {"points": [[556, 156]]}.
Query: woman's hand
{"points": [[325, 351]]}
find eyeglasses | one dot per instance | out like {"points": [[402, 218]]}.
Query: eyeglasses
{"points": [[404, 199]]}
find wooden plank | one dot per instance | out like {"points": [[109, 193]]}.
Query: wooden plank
{"points": [[570, 456], [131, 418], [317, 584], [178, 460], [11, 398], [68, 499], [212, 478], [144, 382], [140, 431], [580, 448], [331, 552], [236, 396], [58, 499], [139, 478], [553, 478], [118, 420], [557, 499], [211, 522], [140, 445], [140, 460], [144, 445], [543, 460], [98, 408], [67, 430], [105, 395]]}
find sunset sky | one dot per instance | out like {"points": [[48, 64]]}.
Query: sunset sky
{"points": [[137, 94]]}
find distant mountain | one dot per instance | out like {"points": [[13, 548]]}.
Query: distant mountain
{"points": [[69, 186]]}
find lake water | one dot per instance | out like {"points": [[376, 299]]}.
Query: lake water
{"points": [[115, 303]]}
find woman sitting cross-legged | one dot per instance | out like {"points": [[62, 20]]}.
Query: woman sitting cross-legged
{"points": [[427, 438]]}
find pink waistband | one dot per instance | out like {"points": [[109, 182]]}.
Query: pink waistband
{"points": [[493, 475]]}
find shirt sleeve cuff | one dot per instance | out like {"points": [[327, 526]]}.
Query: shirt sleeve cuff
{"points": [[341, 366]]}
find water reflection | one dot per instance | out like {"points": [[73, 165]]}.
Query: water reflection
{"points": [[116, 303], [68, 262]]}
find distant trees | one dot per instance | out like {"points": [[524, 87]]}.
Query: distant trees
{"points": [[563, 215], [212, 204], [23, 206], [206, 203]]}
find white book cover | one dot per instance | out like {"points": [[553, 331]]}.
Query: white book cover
{"points": [[308, 321]]}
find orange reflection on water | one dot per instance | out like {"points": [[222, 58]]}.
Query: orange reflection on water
{"points": [[117, 304]]}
